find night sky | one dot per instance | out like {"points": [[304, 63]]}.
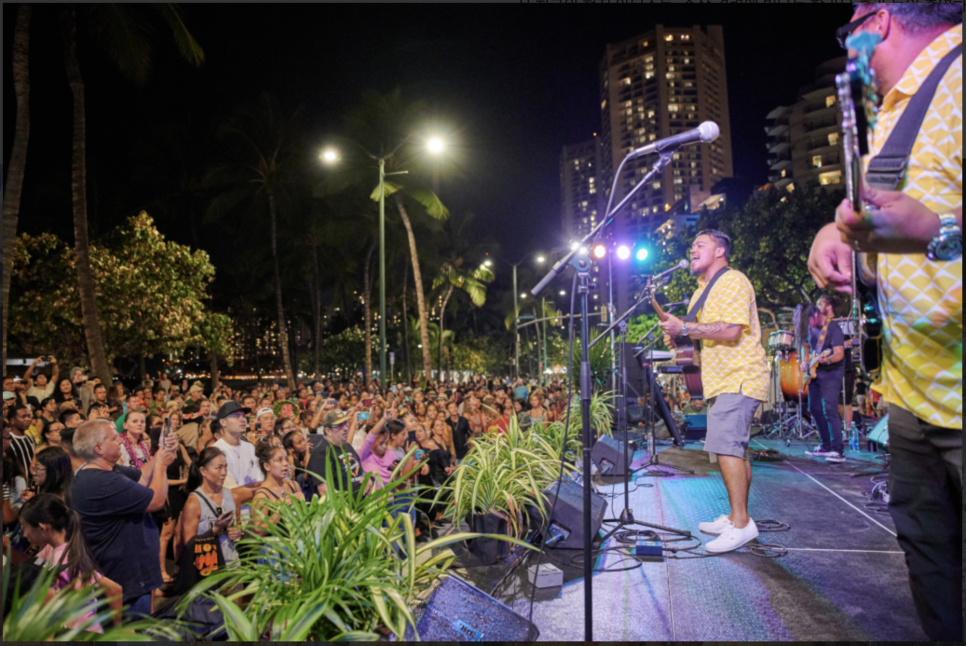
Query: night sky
{"points": [[509, 84]]}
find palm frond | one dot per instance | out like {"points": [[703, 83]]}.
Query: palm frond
{"points": [[185, 42]]}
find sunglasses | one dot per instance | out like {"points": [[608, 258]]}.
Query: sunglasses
{"points": [[846, 30]]}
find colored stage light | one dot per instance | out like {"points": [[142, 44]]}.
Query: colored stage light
{"points": [[599, 251], [641, 254], [623, 252]]}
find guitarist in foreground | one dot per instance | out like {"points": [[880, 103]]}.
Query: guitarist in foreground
{"points": [[734, 372], [824, 358], [915, 225]]}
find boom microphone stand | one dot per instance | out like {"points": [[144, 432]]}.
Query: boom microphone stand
{"points": [[581, 263], [626, 517]]}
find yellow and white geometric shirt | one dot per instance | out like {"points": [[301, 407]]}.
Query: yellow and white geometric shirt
{"points": [[921, 299], [732, 366]]}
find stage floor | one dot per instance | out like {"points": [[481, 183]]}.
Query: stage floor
{"points": [[843, 577]]}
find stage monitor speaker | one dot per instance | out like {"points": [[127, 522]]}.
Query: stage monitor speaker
{"points": [[452, 610], [567, 523], [608, 455]]}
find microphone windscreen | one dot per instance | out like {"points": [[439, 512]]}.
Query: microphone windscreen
{"points": [[709, 131]]}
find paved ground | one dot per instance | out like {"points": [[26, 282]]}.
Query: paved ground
{"points": [[842, 577]]}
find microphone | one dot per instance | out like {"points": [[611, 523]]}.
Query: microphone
{"points": [[705, 133], [667, 272]]}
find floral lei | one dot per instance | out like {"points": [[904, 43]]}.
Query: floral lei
{"points": [[144, 446]]}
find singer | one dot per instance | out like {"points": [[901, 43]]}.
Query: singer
{"points": [[734, 374]]}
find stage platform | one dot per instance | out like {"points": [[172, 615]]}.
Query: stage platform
{"points": [[843, 577]]}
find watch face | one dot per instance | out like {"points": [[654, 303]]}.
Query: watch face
{"points": [[950, 248]]}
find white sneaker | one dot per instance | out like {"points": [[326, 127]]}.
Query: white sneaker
{"points": [[732, 538], [716, 526], [835, 457], [818, 452]]}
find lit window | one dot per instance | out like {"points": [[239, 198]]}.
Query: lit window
{"points": [[833, 139], [645, 44], [831, 177], [656, 185], [817, 161], [672, 108], [670, 68], [685, 36], [626, 81], [670, 76], [648, 75], [650, 114], [783, 172], [669, 37], [829, 100], [603, 104]]}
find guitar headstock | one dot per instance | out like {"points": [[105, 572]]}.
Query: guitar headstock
{"points": [[860, 69], [857, 93]]}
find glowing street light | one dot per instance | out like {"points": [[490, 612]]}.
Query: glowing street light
{"points": [[487, 263], [540, 258], [435, 145], [329, 156]]}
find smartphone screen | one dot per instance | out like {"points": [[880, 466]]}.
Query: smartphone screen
{"points": [[363, 417]]}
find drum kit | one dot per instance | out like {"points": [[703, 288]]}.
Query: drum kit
{"points": [[789, 388]]}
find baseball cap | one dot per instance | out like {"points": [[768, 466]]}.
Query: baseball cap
{"points": [[230, 407], [262, 411], [7, 395], [334, 418]]}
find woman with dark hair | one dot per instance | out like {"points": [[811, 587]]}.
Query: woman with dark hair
{"points": [[295, 446], [48, 412], [50, 434], [209, 505], [58, 533], [273, 461], [51, 472], [66, 391]]}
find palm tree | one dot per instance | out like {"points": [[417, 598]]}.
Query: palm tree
{"points": [[121, 32], [18, 156], [383, 126], [268, 158]]}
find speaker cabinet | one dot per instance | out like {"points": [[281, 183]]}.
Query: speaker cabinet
{"points": [[567, 523], [452, 610], [608, 456]]}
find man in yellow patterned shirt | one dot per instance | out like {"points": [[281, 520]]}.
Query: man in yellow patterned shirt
{"points": [[734, 374], [920, 288]]}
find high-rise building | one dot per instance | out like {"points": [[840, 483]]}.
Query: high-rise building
{"points": [[580, 187], [661, 83], [805, 138]]}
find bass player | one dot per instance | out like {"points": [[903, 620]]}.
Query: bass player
{"points": [[734, 375]]}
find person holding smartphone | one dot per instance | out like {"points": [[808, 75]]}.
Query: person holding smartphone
{"points": [[209, 505]]}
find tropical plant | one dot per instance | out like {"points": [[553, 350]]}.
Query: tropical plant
{"points": [[339, 568], [600, 366], [383, 126], [152, 294], [33, 617], [503, 474], [121, 31], [601, 414], [18, 156]]}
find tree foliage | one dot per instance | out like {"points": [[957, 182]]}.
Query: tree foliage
{"points": [[151, 295]]}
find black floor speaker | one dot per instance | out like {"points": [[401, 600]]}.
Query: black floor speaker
{"points": [[567, 523], [452, 610], [608, 456]]}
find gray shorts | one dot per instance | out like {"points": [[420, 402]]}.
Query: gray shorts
{"points": [[729, 424]]}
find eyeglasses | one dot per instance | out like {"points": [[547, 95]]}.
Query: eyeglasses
{"points": [[843, 32]]}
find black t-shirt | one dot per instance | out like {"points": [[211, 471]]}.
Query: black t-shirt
{"points": [[343, 459], [833, 338], [461, 433], [123, 537]]}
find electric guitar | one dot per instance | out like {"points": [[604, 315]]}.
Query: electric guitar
{"points": [[812, 367], [857, 87], [686, 354]]}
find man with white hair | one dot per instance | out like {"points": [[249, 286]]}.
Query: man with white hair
{"points": [[115, 504]]}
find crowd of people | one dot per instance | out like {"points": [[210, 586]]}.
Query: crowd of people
{"points": [[115, 484]]}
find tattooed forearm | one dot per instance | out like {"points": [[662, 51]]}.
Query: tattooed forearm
{"points": [[717, 331]]}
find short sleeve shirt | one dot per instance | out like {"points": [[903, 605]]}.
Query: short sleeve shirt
{"points": [[833, 338], [922, 299], [344, 462], [242, 464], [123, 537], [732, 366]]}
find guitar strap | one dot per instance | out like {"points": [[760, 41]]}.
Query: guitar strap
{"points": [[886, 170], [693, 312], [821, 338]]}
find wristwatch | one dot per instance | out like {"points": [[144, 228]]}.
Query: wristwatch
{"points": [[948, 245], [684, 329]]}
